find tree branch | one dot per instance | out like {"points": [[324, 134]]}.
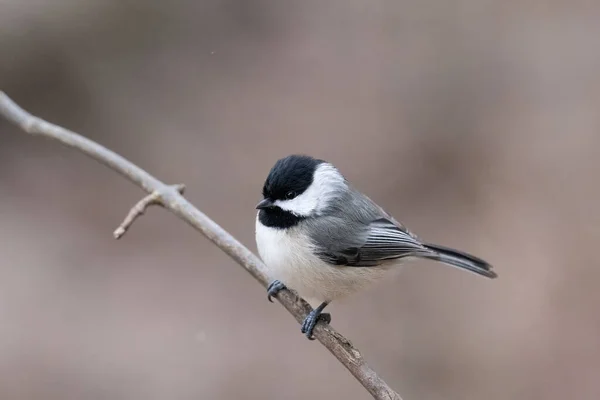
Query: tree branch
{"points": [[170, 197]]}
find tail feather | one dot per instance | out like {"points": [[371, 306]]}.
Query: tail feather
{"points": [[460, 259]]}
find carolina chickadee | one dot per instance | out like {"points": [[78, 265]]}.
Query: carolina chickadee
{"points": [[325, 240]]}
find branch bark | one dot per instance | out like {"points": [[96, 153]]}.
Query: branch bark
{"points": [[171, 198]]}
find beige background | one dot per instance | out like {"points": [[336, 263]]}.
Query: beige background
{"points": [[476, 123]]}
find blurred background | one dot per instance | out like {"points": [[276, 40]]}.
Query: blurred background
{"points": [[474, 122]]}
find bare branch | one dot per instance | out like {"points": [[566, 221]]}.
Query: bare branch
{"points": [[154, 198], [170, 197]]}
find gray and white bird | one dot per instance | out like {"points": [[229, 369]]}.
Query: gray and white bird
{"points": [[324, 239]]}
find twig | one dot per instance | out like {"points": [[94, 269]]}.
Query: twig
{"points": [[170, 197], [139, 209]]}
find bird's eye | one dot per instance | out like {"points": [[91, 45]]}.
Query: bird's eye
{"points": [[290, 195]]}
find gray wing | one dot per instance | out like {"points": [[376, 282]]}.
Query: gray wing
{"points": [[372, 244], [357, 232]]}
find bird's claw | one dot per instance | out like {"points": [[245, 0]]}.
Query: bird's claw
{"points": [[274, 287], [311, 321]]}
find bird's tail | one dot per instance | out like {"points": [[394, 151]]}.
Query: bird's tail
{"points": [[460, 259]]}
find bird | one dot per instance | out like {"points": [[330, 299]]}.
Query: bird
{"points": [[321, 237]]}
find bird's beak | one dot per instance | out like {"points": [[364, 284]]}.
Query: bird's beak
{"points": [[264, 203]]}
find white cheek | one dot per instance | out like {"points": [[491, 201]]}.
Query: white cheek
{"points": [[301, 205], [327, 181]]}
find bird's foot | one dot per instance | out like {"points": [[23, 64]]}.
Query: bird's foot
{"points": [[274, 288], [311, 321]]}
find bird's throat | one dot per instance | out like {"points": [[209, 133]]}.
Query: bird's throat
{"points": [[278, 218]]}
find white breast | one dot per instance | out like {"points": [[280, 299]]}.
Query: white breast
{"points": [[288, 255]]}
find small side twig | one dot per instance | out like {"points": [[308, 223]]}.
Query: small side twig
{"points": [[170, 198], [154, 198]]}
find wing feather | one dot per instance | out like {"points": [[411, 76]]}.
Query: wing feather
{"points": [[385, 240]]}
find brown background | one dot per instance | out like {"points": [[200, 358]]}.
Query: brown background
{"points": [[476, 123]]}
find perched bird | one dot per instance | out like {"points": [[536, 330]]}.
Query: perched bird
{"points": [[324, 239]]}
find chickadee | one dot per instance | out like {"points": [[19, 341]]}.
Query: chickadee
{"points": [[324, 239]]}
